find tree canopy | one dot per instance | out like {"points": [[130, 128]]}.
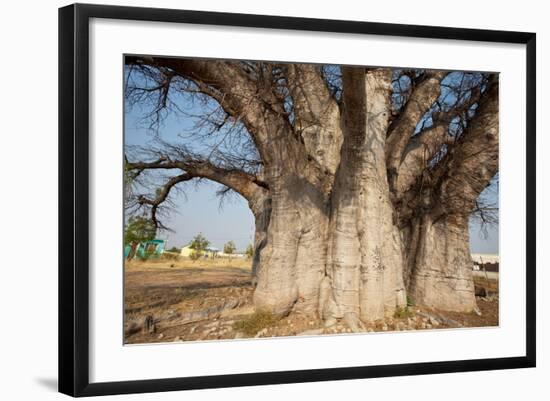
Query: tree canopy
{"points": [[199, 242], [229, 247], [221, 142], [139, 229]]}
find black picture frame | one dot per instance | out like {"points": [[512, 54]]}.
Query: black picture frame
{"points": [[74, 199]]}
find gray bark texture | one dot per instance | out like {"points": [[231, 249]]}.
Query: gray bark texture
{"points": [[441, 275], [365, 265]]}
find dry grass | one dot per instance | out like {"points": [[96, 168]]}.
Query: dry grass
{"points": [[169, 261], [174, 295], [256, 322], [488, 284]]}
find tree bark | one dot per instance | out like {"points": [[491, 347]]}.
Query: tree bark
{"points": [[439, 264], [317, 115], [401, 130], [365, 260], [261, 209], [292, 261]]}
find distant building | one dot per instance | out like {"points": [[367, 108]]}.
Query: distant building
{"points": [[210, 252], [144, 249], [485, 258], [236, 255], [485, 261]]}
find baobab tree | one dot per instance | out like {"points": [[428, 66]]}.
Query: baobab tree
{"points": [[361, 180]]}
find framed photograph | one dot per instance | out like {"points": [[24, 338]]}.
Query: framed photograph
{"points": [[249, 199]]}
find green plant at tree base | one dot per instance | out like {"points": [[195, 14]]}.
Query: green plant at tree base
{"points": [[401, 313]]}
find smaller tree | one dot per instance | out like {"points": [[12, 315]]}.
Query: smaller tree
{"points": [[229, 248], [198, 245], [249, 251], [138, 229]]}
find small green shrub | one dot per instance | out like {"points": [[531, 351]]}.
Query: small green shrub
{"points": [[256, 322], [401, 313]]}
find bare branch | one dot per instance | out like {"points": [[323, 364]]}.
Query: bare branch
{"points": [[473, 162], [161, 196], [244, 183]]}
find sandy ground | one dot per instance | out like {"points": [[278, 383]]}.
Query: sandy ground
{"points": [[169, 301]]}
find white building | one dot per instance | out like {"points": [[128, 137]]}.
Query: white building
{"points": [[482, 258], [479, 259]]}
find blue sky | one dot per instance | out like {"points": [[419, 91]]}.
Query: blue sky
{"points": [[197, 208], [201, 213]]}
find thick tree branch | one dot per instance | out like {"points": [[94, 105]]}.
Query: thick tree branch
{"points": [[426, 144], [245, 184], [421, 99], [316, 114]]}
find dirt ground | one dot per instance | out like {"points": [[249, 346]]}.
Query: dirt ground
{"points": [[171, 301]]}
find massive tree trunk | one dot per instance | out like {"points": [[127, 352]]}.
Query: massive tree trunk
{"points": [[362, 277], [440, 274], [438, 269], [300, 176], [292, 262], [365, 265], [332, 245]]}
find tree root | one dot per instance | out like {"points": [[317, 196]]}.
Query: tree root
{"points": [[353, 322]]}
